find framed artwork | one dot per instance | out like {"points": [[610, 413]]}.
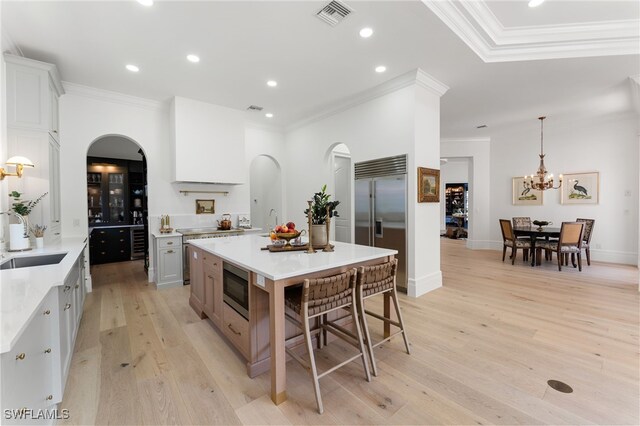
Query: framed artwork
{"points": [[205, 206], [428, 185], [581, 188], [523, 194]]}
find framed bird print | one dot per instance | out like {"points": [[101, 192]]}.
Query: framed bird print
{"points": [[523, 194], [581, 188]]}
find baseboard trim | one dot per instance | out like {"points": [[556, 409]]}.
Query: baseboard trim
{"points": [[171, 284], [418, 287]]}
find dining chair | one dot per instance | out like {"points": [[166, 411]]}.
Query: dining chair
{"points": [[373, 281], [521, 221], [314, 300], [570, 242], [509, 240], [586, 239]]}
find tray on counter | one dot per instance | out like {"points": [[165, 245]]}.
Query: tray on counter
{"points": [[277, 249]]}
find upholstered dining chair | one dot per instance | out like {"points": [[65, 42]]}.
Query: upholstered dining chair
{"points": [[586, 239], [509, 240], [521, 221], [373, 281], [314, 300], [570, 242]]}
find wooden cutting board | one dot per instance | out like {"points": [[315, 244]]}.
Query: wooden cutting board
{"points": [[277, 249]]}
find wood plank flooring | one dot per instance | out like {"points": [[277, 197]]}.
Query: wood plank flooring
{"points": [[483, 347]]}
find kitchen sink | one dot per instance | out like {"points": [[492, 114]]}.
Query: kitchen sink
{"points": [[27, 261]]}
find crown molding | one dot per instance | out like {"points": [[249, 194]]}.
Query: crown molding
{"points": [[416, 76], [114, 97], [8, 45], [478, 27], [472, 140]]}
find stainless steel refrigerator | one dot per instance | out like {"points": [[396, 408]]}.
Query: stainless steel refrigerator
{"points": [[381, 208]]}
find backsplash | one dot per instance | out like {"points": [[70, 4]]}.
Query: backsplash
{"points": [[192, 221]]}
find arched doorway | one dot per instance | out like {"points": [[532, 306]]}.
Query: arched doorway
{"points": [[265, 180], [117, 200], [340, 159]]}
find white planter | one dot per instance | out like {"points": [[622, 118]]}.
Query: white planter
{"points": [[39, 242]]}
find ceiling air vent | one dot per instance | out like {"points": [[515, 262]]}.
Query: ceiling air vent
{"points": [[254, 108], [334, 12]]}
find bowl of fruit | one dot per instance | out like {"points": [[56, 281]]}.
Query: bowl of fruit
{"points": [[286, 232]]}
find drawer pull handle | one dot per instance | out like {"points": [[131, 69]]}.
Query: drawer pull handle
{"points": [[20, 356], [170, 243], [47, 312], [121, 239], [210, 277], [169, 251], [121, 231], [47, 351], [237, 333], [50, 397], [77, 285], [57, 233], [67, 306]]}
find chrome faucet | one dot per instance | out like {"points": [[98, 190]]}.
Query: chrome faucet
{"points": [[276, 213]]}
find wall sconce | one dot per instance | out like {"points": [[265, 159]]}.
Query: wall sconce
{"points": [[19, 162]]}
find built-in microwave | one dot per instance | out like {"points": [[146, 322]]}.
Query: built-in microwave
{"points": [[235, 282]]}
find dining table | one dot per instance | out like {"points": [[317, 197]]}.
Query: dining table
{"points": [[535, 233]]}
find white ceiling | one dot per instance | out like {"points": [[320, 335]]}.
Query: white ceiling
{"points": [[243, 44]]}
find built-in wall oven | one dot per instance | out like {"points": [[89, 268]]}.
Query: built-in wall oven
{"points": [[235, 283], [197, 234]]}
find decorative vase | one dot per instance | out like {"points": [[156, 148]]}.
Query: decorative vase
{"points": [[39, 242], [319, 235]]}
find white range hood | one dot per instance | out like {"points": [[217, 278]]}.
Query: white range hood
{"points": [[207, 143]]}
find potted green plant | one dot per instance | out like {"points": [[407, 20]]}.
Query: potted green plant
{"points": [[321, 209], [23, 208]]}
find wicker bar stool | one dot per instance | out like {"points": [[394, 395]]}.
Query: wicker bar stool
{"points": [[372, 281], [315, 299]]}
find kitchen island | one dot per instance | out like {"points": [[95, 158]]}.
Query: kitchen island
{"points": [[260, 331]]}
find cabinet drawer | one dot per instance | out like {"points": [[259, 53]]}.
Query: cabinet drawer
{"points": [[236, 328], [212, 261], [170, 242]]}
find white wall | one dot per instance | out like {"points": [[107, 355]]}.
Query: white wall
{"points": [[405, 121], [608, 145], [87, 114], [455, 170]]}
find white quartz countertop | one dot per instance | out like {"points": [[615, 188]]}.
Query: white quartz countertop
{"points": [[23, 289], [159, 234], [244, 251]]}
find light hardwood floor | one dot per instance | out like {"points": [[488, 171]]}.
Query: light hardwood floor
{"points": [[483, 347]]}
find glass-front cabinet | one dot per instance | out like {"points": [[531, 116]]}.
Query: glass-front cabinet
{"points": [[107, 192]]}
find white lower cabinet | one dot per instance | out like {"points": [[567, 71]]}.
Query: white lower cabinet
{"points": [[34, 372], [28, 369], [168, 261]]}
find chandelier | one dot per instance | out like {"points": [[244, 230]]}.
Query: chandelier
{"points": [[540, 181]]}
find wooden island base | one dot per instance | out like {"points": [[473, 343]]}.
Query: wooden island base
{"points": [[261, 337]]}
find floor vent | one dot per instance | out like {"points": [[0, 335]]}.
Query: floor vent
{"points": [[254, 108], [334, 12]]}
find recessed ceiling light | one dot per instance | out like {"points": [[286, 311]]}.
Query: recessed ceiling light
{"points": [[272, 83], [381, 68], [193, 58], [146, 2], [132, 68], [268, 115], [535, 3], [366, 32]]}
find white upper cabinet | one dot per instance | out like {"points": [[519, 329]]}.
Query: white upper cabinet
{"points": [[33, 89], [207, 142]]}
